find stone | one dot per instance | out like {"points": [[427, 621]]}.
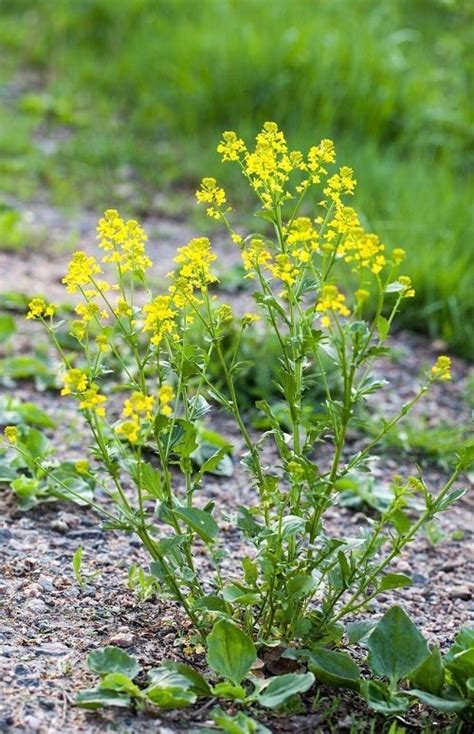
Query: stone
{"points": [[461, 592]]}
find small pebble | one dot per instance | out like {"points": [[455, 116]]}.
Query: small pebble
{"points": [[461, 592], [122, 639]]}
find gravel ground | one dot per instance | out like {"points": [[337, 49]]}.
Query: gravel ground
{"points": [[48, 624]]}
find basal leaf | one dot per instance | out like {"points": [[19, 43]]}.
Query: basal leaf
{"points": [[282, 687], [97, 698], [112, 660], [429, 676], [231, 653], [334, 668], [396, 646], [447, 705]]}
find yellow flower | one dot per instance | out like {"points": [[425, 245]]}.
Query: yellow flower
{"points": [[331, 301], [255, 255], [361, 295], [211, 193], [249, 318], [125, 241], [11, 434], [92, 400], [342, 183], [230, 146], [138, 404], [159, 318], [102, 342], [78, 330], [224, 313], [195, 260], [408, 291], [39, 309], [441, 370], [166, 395], [82, 466], [398, 255], [284, 269], [80, 271], [88, 311], [129, 429], [75, 381], [122, 307]]}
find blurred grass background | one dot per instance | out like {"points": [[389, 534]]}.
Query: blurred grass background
{"points": [[93, 91]]}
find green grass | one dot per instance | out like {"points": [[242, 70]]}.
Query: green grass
{"points": [[97, 92]]}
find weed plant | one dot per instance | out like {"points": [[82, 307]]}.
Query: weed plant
{"points": [[295, 583]]}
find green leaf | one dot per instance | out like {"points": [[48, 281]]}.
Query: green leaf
{"points": [[381, 699], [231, 653], [76, 565], [464, 640], [26, 489], [13, 411], [200, 522], [169, 688], [97, 698], [170, 698], [358, 631], [382, 327], [112, 660], [282, 687], [229, 690], [461, 666], [213, 462], [212, 602], [429, 676], [292, 525], [396, 646], [197, 681], [301, 585], [334, 668], [394, 581], [120, 682], [238, 724], [7, 327], [447, 705]]}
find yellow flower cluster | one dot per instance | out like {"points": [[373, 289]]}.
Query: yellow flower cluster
{"points": [[302, 238], [331, 301], [211, 193], [137, 408], [409, 291], [195, 261], [77, 383], [441, 370], [125, 241], [90, 399], [231, 146], [342, 183], [159, 318], [139, 404], [255, 255], [11, 434], [166, 396], [80, 271], [39, 309]]}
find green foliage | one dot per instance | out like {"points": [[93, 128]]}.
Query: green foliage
{"points": [[230, 652], [396, 647], [34, 475]]}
